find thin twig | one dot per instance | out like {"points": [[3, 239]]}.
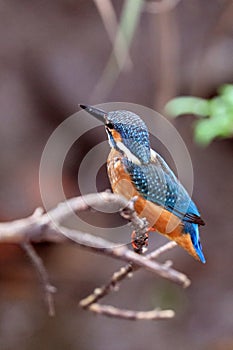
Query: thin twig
{"points": [[119, 276], [124, 254], [90, 302], [99, 293], [164, 248], [111, 311], [49, 289]]}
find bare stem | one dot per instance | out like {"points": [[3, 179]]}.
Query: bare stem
{"points": [[49, 289], [112, 311], [120, 275]]}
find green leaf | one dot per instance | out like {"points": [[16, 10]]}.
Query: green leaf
{"points": [[226, 92], [187, 105], [208, 129], [205, 131], [219, 108], [219, 111]]}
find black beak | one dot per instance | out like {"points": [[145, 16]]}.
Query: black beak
{"points": [[97, 113]]}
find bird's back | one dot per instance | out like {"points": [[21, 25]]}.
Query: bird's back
{"points": [[161, 199]]}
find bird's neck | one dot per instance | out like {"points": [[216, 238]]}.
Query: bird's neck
{"points": [[132, 149], [126, 152]]}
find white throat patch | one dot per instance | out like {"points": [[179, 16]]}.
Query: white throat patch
{"points": [[128, 153], [153, 155]]}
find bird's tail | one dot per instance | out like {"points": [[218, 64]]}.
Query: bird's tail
{"points": [[193, 230]]}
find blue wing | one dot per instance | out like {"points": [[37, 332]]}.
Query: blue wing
{"points": [[158, 184]]}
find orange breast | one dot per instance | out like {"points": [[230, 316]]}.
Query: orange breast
{"points": [[159, 218]]}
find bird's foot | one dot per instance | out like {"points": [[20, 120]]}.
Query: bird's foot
{"points": [[139, 242]]}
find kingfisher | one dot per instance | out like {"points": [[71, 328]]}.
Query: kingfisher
{"points": [[137, 171]]}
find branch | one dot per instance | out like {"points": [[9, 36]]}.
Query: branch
{"points": [[113, 285], [112, 311], [45, 227], [49, 289], [120, 275], [99, 293], [41, 227]]}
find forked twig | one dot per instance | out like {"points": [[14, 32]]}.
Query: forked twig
{"points": [[41, 227], [90, 302]]}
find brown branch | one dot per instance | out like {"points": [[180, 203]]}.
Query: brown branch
{"points": [[99, 293], [119, 276], [41, 227], [111, 311], [49, 289], [123, 253], [164, 248], [45, 227], [90, 301]]}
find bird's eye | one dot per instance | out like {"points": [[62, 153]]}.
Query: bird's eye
{"points": [[109, 126]]}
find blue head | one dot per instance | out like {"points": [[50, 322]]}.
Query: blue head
{"points": [[126, 132]]}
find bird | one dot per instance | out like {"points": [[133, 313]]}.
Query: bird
{"points": [[135, 170]]}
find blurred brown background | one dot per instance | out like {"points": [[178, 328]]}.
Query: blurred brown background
{"points": [[52, 57]]}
